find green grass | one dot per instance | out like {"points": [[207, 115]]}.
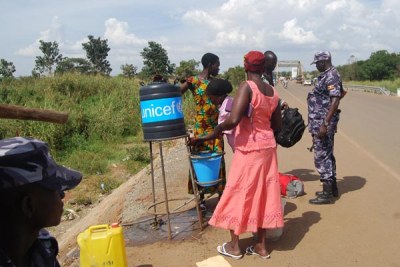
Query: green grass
{"points": [[103, 137], [390, 85]]}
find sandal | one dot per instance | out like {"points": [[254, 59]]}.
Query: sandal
{"points": [[250, 251], [222, 250]]}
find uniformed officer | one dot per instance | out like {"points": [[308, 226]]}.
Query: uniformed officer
{"points": [[323, 117], [32, 186]]}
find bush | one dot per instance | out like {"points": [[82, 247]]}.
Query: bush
{"points": [[99, 108]]}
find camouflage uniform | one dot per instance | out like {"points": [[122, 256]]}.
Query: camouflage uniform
{"points": [[43, 252], [329, 85], [24, 161]]}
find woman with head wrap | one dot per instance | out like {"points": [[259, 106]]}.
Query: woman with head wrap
{"points": [[251, 201], [206, 118]]}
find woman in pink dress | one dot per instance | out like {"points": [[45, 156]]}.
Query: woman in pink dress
{"points": [[251, 200]]}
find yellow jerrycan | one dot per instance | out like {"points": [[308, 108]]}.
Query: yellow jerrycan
{"points": [[102, 245]]}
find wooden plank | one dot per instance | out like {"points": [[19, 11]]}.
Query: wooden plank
{"points": [[22, 113]]}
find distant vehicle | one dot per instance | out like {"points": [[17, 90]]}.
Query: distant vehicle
{"points": [[307, 82]]}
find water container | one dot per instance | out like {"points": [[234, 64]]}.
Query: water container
{"points": [[206, 166], [102, 245], [162, 111]]}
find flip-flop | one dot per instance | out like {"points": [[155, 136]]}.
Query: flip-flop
{"points": [[250, 251], [222, 250]]}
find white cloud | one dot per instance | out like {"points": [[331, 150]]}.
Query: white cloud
{"points": [[335, 5], [335, 46], [30, 50], [291, 31], [302, 4], [390, 4], [230, 38], [375, 46], [55, 33], [203, 18], [117, 33], [352, 28], [77, 45]]}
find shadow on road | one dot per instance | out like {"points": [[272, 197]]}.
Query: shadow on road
{"points": [[350, 183], [346, 184], [295, 230], [289, 207]]}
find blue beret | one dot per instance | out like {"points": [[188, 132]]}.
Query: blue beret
{"points": [[321, 55]]}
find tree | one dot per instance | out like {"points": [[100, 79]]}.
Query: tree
{"points": [[187, 69], [79, 65], [235, 75], [97, 52], [51, 57], [155, 61], [128, 70], [6, 69], [381, 65]]}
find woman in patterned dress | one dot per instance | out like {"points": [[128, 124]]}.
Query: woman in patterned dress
{"points": [[206, 118]]}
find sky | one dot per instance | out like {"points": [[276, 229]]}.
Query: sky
{"points": [[187, 29]]}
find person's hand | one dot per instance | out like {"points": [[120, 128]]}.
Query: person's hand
{"points": [[284, 105], [194, 141], [217, 131], [322, 131]]}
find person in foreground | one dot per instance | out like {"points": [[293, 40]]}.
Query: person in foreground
{"points": [[32, 186], [206, 119], [251, 201], [323, 117]]}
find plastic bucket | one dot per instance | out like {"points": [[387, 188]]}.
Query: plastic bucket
{"points": [[206, 166]]}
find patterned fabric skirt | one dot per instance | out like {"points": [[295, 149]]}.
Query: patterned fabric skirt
{"points": [[251, 198]]}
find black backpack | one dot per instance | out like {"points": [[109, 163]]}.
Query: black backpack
{"points": [[292, 128]]}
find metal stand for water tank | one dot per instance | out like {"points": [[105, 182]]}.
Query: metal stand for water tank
{"points": [[196, 195]]}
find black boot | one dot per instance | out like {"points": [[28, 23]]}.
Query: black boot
{"points": [[326, 197], [335, 190]]}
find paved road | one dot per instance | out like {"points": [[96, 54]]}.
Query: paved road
{"points": [[363, 226]]}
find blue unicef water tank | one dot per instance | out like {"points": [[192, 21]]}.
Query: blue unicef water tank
{"points": [[162, 111]]}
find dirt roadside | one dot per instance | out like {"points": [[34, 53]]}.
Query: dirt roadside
{"points": [[361, 229]]}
